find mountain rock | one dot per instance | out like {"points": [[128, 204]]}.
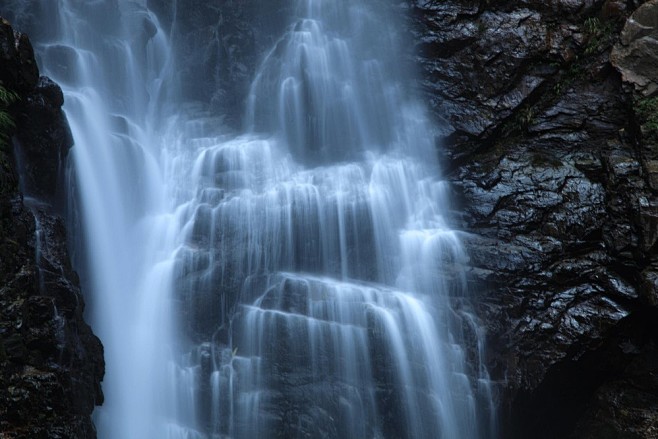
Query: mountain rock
{"points": [[51, 364], [549, 142]]}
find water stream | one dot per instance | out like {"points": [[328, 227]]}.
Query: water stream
{"points": [[299, 279]]}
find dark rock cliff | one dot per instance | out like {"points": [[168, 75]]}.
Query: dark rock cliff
{"points": [[552, 120], [51, 364], [553, 153]]}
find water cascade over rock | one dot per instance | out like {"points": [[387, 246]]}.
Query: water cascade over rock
{"points": [[300, 279]]}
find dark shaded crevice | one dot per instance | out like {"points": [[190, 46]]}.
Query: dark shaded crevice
{"points": [[554, 409], [444, 49]]}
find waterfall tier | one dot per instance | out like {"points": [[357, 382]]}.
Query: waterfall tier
{"points": [[299, 279]]}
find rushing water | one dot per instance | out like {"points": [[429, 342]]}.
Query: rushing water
{"points": [[300, 279]]}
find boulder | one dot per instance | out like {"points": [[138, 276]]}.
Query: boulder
{"points": [[636, 54]]}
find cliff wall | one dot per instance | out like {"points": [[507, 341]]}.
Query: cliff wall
{"points": [[549, 117], [51, 364], [550, 121]]}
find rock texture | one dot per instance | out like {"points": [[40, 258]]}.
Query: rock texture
{"points": [[51, 364], [550, 116], [218, 45], [636, 55], [550, 146]]}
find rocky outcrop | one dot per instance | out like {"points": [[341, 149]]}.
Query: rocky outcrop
{"points": [[636, 55], [51, 364], [550, 146]]}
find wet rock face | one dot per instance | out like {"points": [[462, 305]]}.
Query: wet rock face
{"points": [[42, 152], [19, 66], [551, 144], [218, 45], [50, 362], [636, 54]]}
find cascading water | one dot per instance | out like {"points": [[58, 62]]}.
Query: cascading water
{"points": [[110, 60], [298, 280]]}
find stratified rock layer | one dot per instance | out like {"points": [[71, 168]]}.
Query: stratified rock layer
{"points": [[50, 362], [554, 165]]}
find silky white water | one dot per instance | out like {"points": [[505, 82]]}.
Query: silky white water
{"points": [[300, 279]]}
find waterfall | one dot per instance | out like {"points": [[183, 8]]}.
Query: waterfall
{"points": [[298, 279]]}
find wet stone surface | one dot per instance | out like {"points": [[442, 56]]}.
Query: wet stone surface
{"points": [[51, 364], [555, 179]]}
